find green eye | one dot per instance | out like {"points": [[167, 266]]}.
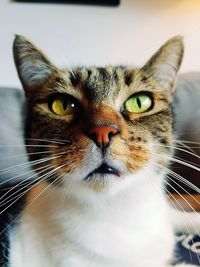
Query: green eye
{"points": [[63, 105], [138, 103]]}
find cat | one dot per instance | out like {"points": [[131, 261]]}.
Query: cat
{"points": [[99, 139]]}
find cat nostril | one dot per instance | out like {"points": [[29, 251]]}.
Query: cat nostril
{"points": [[101, 135], [110, 135]]}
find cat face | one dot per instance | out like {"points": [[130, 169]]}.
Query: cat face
{"points": [[97, 129]]}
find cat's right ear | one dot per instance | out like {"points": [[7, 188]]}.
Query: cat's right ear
{"points": [[32, 65]]}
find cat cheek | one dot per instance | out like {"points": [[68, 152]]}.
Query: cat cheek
{"points": [[72, 155], [138, 160], [132, 155]]}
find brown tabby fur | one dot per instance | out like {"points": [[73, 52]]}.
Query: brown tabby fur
{"points": [[101, 92]]}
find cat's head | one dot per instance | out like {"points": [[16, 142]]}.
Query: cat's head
{"points": [[98, 129]]}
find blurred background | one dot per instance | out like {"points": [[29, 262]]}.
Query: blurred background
{"points": [[87, 34]]}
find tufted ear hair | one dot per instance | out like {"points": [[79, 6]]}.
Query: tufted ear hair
{"points": [[163, 66], [32, 65]]}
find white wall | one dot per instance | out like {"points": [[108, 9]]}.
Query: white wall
{"points": [[75, 34]]}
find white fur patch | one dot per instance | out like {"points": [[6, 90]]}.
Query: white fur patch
{"points": [[114, 231]]}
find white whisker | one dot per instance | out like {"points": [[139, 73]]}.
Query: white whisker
{"points": [[180, 178], [185, 146], [38, 181], [22, 187], [181, 187], [45, 140], [182, 207], [20, 175], [180, 161], [179, 212], [26, 145], [34, 162], [180, 149], [26, 206], [24, 154], [188, 142]]}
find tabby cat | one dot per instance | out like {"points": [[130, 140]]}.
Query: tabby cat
{"points": [[99, 139]]}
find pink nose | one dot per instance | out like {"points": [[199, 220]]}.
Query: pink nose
{"points": [[101, 135]]}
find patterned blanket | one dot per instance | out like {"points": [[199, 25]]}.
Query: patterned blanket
{"points": [[188, 249]]}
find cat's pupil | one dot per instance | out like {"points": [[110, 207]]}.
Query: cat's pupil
{"points": [[65, 103], [138, 102], [68, 103]]}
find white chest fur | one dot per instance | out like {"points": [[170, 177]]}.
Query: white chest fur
{"points": [[131, 229]]}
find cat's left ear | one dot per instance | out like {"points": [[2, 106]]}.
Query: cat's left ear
{"points": [[33, 67], [163, 66]]}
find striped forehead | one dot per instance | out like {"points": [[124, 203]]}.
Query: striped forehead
{"points": [[99, 84]]}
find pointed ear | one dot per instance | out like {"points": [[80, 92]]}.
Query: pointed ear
{"points": [[163, 66], [32, 65]]}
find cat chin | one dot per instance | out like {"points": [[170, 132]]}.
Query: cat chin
{"points": [[98, 188], [101, 188]]}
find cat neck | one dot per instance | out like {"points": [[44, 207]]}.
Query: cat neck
{"points": [[59, 200], [52, 221]]}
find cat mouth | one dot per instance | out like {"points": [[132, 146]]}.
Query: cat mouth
{"points": [[102, 170]]}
